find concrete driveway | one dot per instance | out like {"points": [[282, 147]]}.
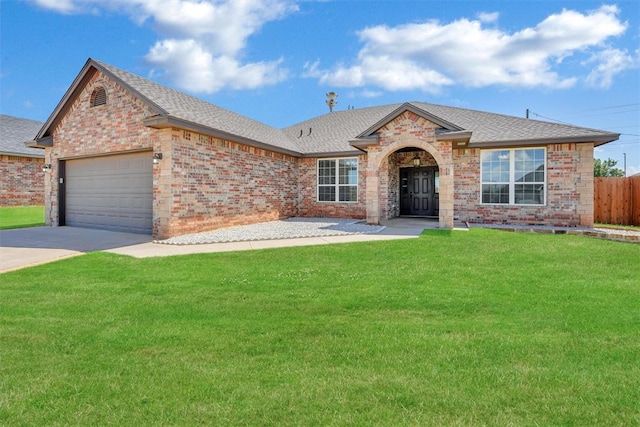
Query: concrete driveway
{"points": [[25, 247]]}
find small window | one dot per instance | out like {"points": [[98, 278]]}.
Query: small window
{"points": [[98, 97]]}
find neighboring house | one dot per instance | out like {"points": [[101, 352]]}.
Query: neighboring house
{"points": [[21, 174], [133, 155]]}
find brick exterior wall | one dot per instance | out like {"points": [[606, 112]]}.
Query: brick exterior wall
{"points": [[86, 131], [569, 190], [308, 205], [410, 131], [201, 183], [569, 178], [21, 181], [205, 183]]}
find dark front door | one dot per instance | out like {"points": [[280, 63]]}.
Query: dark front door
{"points": [[419, 191]]}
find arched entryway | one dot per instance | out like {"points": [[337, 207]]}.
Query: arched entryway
{"points": [[388, 166], [418, 189]]}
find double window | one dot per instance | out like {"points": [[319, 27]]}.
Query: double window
{"points": [[514, 176], [338, 180]]}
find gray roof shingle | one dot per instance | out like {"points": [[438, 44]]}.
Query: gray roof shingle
{"points": [[331, 133], [14, 132], [492, 127], [192, 109]]}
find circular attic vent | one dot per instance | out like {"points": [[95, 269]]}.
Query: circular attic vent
{"points": [[98, 97]]}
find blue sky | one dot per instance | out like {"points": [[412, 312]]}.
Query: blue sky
{"points": [[571, 61]]}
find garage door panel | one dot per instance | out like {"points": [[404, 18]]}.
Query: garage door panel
{"points": [[111, 192]]}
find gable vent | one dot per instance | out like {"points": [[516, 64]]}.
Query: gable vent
{"points": [[98, 97]]}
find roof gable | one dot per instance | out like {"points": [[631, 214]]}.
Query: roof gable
{"points": [[444, 124], [174, 108], [82, 79]]}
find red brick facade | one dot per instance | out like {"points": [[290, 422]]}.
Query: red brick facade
{"points": [[308, 205], [569, 190], [86, 131], [569, 185], [22, 181], [203, 183]]}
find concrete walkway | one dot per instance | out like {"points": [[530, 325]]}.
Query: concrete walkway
{"points": [[20, 248]]}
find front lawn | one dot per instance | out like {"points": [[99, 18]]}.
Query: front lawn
{"points": [[455, 328], [21, 217]]}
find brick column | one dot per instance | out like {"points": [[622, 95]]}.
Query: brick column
{"points": [[162, 178], [50, 191], [585, 184], [373, 191], [446, 196]]}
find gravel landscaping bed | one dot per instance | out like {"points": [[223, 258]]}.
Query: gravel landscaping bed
{"points": [[284, 229]]}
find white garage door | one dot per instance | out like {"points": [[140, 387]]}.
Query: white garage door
{"points": [[111, 192]]}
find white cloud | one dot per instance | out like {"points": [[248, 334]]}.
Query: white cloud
{"points": [[202, 40], [609, 62], [60, 6], [430, 55], [487, 17], [370, 93], [194, 68]]}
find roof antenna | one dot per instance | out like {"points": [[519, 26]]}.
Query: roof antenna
{"points": [[331, 100]]}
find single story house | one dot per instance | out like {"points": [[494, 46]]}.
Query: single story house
{"points": [[133, 155], [21, 173]]}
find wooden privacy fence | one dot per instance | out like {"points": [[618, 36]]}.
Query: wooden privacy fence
{"points": [[617, 200]]}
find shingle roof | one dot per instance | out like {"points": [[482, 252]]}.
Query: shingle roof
{"points": [[191, 109], [333, 131], [14, 132], [330, 133], [491, 127]]}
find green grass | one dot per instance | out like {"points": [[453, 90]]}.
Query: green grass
{"points": [[455, 328], [21, 217]]}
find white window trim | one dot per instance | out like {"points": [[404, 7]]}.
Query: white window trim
{"points": [[512, 183], [337, 185]]}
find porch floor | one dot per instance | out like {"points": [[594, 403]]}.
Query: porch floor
{"points": [[412, 225]]}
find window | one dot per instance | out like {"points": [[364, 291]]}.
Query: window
{"points": [[98, 97], [514, 176], [338, 180]]}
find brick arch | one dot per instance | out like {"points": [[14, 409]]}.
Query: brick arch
{"points": [[445, 165], [406, 143]]}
